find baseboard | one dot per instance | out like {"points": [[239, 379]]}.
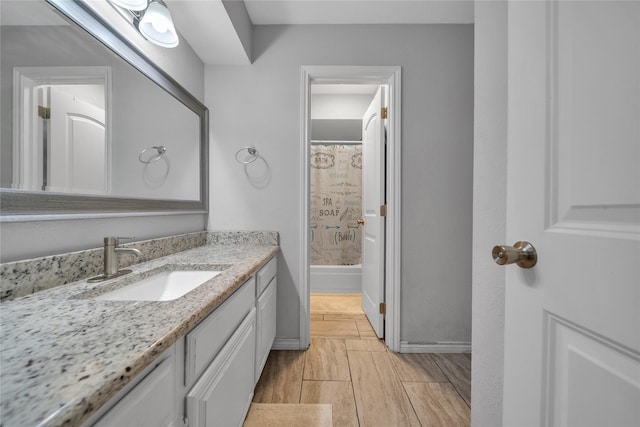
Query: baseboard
{"points": [[440, 347], [286, 344]]}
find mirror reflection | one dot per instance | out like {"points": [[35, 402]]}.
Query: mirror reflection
{"points": [[77, 119]]}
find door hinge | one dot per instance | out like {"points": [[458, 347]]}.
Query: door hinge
{"points": [[383, 308], [383, 210], [44, 112], [384, 112]]}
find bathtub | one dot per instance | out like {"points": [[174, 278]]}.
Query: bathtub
{"points": [[336, 278]]}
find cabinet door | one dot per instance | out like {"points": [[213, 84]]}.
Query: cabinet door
{"points": [[150, 403], [222, 395], [266, 325], [205, 340]]}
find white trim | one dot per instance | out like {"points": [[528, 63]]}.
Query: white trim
{"points": [[393, 230], [304, 280], [444, 347], [390, 76], [286, 344]]}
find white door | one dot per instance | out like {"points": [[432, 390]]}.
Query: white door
{"points": [[572, 322], [373, 197], [78, 148]]}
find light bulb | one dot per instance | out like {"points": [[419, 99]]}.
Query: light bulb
{"points": [[157, 26], [160, 25]]}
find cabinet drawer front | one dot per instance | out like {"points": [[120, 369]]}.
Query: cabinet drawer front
{"points": [[222, 396], [150, 403], [265, 274], [266, 325], [206, 339]]}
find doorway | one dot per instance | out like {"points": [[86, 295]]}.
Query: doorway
{"points": [[387, 266]]}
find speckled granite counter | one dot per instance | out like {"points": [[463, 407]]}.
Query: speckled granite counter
{"points": [[64, 354]]}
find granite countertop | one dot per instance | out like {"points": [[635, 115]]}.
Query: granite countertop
{"points": [[65, 354]]}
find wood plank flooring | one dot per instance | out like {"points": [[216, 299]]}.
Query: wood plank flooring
{"points": [[351, 370]]}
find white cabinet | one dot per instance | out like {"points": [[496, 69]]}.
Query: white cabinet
{"points": [[265, 325], [266, 294], [205, 340], [207, 378], [266, 274], [151, 402], [222, 395]]}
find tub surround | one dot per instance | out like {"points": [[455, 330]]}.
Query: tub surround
{"points": [[336, 278], [64, 355]]}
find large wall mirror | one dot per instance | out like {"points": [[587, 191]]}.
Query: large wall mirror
{"points": [[89, 125]]}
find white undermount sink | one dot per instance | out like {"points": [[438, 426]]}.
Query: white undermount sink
{"points": [[164, 286]]}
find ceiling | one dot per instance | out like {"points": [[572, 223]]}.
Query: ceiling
{"points": [[220, 31], [270, 12]]}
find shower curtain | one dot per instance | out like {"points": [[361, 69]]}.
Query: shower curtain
{"points": [[336, 204]]}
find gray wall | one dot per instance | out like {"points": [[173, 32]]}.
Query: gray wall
{"points": [[260, 105], [489, 210], [32, 239]]}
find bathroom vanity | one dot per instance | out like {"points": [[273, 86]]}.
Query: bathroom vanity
{"points": [[69, 358]]}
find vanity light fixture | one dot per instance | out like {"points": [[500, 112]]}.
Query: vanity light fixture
{"points": [[157, 26], [152, 19]]}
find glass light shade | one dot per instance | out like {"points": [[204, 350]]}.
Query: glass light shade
{"points": [[157, 26], [136, 5]]}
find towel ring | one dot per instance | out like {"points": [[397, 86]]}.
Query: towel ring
{"points": [[253, 152], [161, 149]]}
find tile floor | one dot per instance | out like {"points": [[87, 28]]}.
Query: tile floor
{"points": [[348, 378]]}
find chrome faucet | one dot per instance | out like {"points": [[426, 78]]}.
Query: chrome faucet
{"points": [[111, 250]]}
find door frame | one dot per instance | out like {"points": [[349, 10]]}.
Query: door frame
{"points": [[382, 75]]}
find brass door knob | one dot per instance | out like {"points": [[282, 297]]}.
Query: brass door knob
{"points": [[361, 221], [521, 253]]}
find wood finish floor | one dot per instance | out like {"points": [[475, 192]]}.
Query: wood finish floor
{"points": [[347, 367]]}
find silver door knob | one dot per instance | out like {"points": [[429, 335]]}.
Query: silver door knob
{"points": [[522, 254]]}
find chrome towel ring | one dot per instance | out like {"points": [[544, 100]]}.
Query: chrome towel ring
{"points": [[161, 149], [250, 158]]}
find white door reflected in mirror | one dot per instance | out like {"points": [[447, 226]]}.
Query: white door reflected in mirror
{"points": [[77, 153]]}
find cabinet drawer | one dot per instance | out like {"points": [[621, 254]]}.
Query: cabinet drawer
{"points": [[222, 396], [206, 339], [265, 274]]}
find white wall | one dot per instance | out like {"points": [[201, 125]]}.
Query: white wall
{"points": [[32, 239], [489, 213], [260, 105], [341, 107]]}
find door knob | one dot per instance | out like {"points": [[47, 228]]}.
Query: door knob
{"points": [[361, 221], [522, 253]]}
